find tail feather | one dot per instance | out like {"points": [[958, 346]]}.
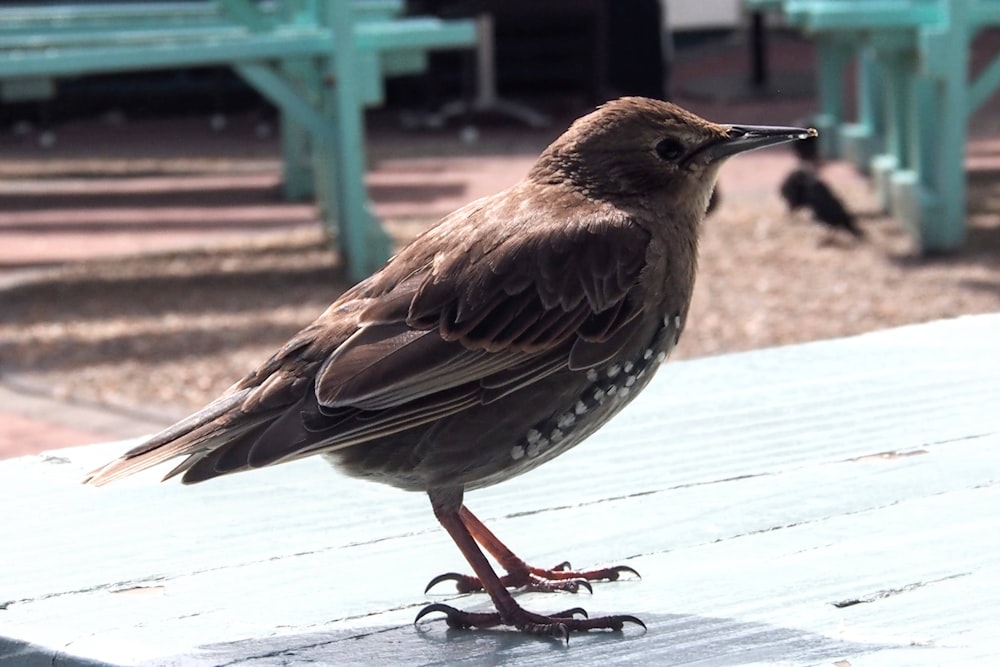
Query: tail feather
{"points": [[186, 437], [226, 455]]}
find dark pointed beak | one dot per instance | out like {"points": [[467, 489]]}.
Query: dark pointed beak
{"points": [[748, 137]]}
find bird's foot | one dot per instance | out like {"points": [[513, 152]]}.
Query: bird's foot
{"points": [[559, 578], [558, 625]]}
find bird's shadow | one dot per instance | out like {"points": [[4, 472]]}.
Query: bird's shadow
{"points": [[669, 639]]}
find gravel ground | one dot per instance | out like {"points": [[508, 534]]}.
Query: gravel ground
{"points": [[164, 334]]}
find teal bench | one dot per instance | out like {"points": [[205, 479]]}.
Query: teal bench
{"points": [[914, 99], [320, 63]]}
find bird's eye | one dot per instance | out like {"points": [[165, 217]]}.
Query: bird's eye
{"points": [[669, 149]]}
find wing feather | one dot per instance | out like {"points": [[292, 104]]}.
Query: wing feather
{"points": [[466, 316]]}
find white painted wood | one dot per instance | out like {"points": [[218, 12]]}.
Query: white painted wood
{"points": [[754, 492]]}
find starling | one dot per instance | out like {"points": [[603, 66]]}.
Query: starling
{"points": [[804, 189], [502, 336], [795, 189]]}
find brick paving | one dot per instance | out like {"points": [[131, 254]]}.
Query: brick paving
{"points": [[31, 422]]}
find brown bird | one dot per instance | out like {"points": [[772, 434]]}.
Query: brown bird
{"points": [[504, 335]]}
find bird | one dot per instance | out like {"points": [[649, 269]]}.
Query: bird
{"points": [[802, 188], [498, 339]]}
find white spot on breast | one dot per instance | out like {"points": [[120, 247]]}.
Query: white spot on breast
{"points": [[535, 447], [648, 354], [630, 380], [580, 407], [624, 392], [612, 390], [517, 452], [592, 375], [566, 420], [533, 436], [556, 435], [660, 357], [599, 396], [629, 366], [614, 370]]}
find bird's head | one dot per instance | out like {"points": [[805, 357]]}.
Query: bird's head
{"points": [[654, 151]]}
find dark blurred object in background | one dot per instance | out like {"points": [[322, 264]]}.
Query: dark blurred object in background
{"points": [[804, 189], [566, 51], [589, 49], [639, 48]]}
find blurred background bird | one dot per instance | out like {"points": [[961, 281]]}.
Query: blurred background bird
{"points": [[804, 189]]}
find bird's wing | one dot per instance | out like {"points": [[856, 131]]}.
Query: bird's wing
{"points": [[432, 334], [476, 314], [481, 320]]}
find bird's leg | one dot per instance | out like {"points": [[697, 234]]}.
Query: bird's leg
{"points": [[508, 612], [520, 574]]}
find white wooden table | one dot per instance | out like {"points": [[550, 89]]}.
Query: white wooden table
{"points": [[837, 501]]}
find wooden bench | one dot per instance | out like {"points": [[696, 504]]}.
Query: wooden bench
{"points": [[320, 63], [820, 504], [914, 99]]}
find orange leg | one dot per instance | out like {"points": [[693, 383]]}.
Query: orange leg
{"points": [[520, 574], [455, 519]]}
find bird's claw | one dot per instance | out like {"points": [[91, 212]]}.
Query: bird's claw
{"points": [[527, 581], [612, 573], [538, 584], [463, 582], [558, 625], [458, 619], [560, 578]]}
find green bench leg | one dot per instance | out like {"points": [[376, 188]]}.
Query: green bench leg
{"points": [[296, 146], [928, 194], [862, 140], [894, 93], [832, 58], [364, 243], [943, 224], [297, 172]]}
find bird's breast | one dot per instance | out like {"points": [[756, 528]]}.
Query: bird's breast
{"points": [[494, 441], [597, 395]]}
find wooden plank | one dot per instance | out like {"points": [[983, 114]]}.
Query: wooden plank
{"points": [[798, 505]]}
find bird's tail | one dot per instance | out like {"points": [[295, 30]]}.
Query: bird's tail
{"points": [[198, 432]]}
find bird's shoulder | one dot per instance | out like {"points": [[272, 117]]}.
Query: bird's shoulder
{"points": [[552, 242]]}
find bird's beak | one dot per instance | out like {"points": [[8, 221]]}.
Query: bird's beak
{"points": [[748, 137]]}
